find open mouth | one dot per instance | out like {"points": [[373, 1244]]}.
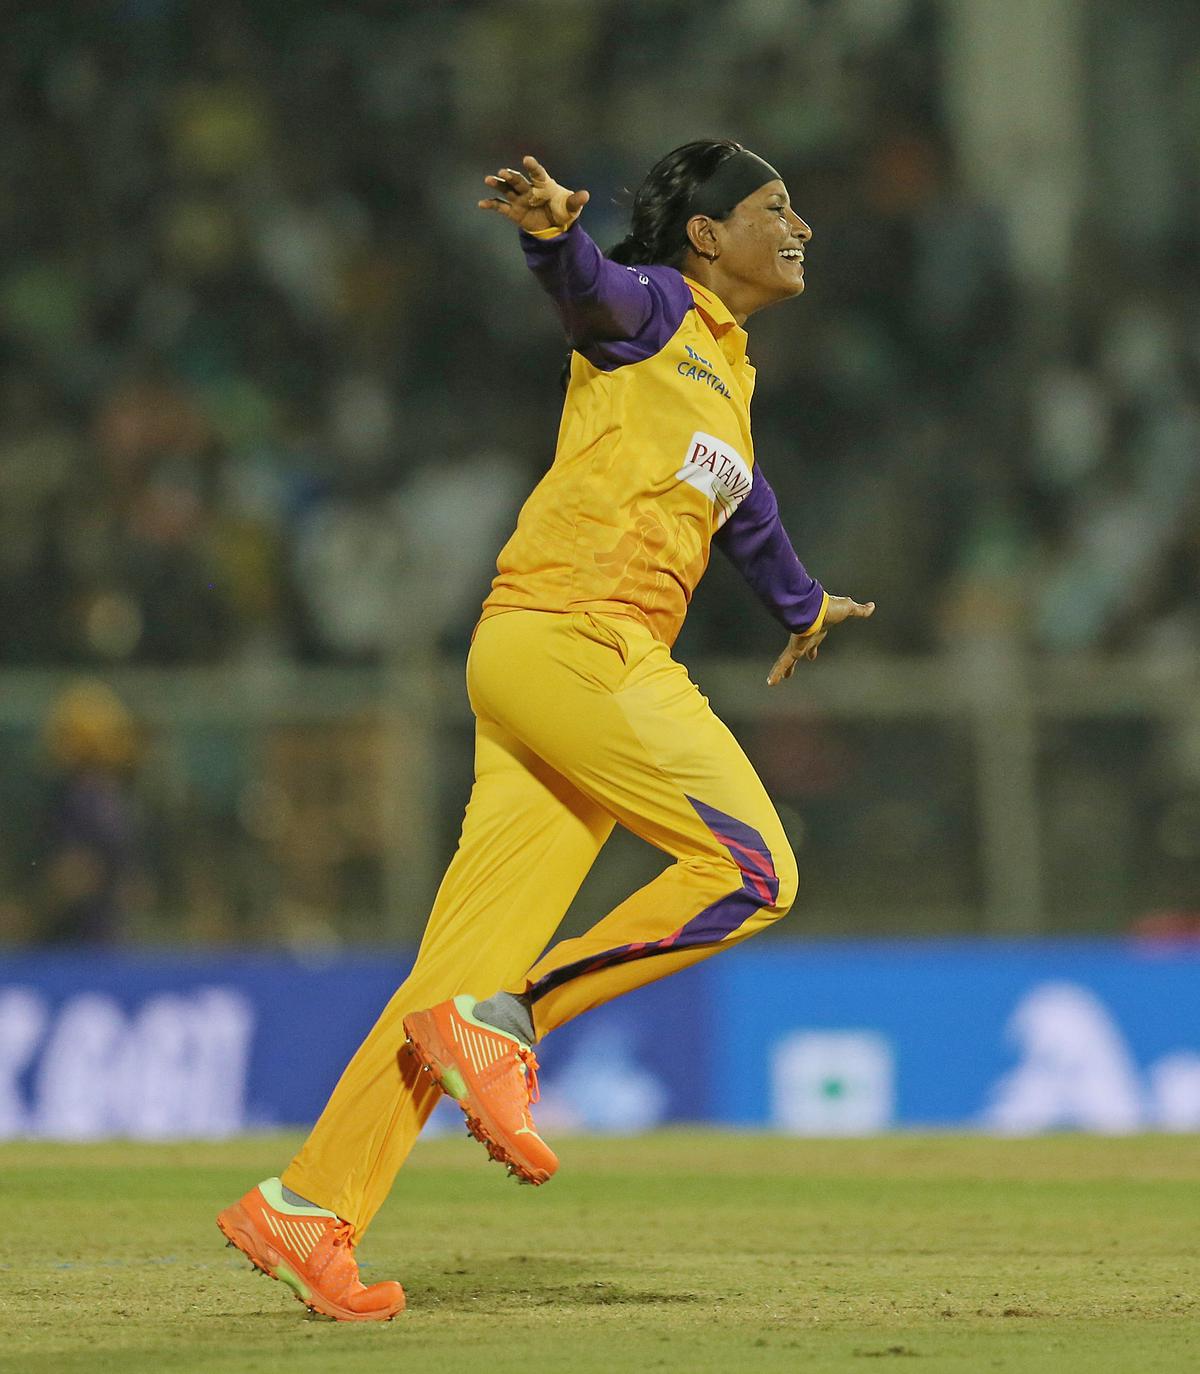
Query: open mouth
{"points": [[792, 254]]}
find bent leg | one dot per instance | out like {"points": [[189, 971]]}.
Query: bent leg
{"points": [[704, 902], [611, 710], [528, 840]]}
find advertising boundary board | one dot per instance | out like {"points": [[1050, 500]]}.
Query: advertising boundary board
{"points": [[811, 1038]]}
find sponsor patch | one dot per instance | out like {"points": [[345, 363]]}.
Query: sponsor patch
{"points": [[716, 468]]}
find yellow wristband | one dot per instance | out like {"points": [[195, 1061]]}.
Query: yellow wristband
{"points": [[820, 620], [553, 232]]}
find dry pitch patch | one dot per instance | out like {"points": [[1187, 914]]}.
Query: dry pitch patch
{"points": [[679, 1251]]}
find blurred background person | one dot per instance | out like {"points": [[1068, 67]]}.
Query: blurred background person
{"points": [[87, 874]]}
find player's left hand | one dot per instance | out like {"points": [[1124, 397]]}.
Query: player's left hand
{"points": [[532, 199], [805, 646]]}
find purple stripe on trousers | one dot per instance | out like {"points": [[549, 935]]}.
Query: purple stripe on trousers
{"points": [[760, 887], [745, 844]]}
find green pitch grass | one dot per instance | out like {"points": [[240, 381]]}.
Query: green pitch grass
{"points": [[681, 1251]]}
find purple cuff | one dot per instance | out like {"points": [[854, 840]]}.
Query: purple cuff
{"points": [[613, 315], [755, 542]]}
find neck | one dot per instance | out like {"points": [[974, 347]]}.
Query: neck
{"points": [[741, 301]]}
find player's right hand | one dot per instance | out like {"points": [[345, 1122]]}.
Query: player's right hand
{"points": [[840, 608], [532, 199]]}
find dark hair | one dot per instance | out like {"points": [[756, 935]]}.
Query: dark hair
{"points": [[661, 207]]}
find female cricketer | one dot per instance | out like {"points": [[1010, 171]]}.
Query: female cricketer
{"points": [[584, 719]]}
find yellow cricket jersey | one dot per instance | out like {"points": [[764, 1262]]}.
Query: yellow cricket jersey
{"points": [[654, 457]]}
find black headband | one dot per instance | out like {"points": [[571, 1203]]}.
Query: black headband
{"points": [[736, 178]]}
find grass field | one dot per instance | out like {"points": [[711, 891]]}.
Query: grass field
{"points": [[678, 1251]]}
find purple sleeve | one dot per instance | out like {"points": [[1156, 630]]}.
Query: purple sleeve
{"points": [[755, 542], [613, 315]]}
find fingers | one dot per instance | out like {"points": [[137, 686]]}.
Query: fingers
{"points": [[517, 194], [801, 647], [785, 666], [501, 204], [846, 608], [513, 180], [854, 610], [508, 183]]}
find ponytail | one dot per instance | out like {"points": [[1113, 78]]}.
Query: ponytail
{"points": [[630, 252], [662, 206], [664, 203]]}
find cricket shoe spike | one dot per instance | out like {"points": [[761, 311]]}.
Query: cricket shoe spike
{"points": [[309, 1249], [493, 1078]]}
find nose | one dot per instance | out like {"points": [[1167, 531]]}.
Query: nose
{"points": [[800, 230]]}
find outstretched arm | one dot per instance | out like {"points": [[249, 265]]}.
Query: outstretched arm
{"points": [[533, 202], [754, 540], [611, 314]]}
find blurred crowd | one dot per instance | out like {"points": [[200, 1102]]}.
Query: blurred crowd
{"points": [[273, 388]]}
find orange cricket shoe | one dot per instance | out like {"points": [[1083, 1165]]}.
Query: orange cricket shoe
{"points": [[493, 1078], [311, 1250]]}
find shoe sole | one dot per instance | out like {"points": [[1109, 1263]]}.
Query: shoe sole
{"points": [[238, 1228], [477, 1127]]}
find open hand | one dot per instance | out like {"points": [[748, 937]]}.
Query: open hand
{"points": [[531, 199], [805, 646]]}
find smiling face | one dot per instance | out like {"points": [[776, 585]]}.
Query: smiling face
{"points": [[755, 256]]}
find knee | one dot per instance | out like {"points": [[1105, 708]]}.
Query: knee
{"points": [[773, 884], [765, 882], [788, 876]]}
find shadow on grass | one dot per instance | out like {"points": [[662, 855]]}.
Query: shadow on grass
{"points": [[526, 1281]]}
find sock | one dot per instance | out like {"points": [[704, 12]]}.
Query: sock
{"points": [[294, 1198], [508, 1013]]}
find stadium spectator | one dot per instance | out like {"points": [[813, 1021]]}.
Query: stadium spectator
{"points": [[87, 864]]}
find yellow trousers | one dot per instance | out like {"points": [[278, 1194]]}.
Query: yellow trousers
{"points": [[581, 721]]}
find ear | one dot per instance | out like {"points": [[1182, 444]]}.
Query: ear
{"points": [[703, 238]]}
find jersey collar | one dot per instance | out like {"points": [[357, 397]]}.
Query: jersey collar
{"points": [[712, 308], [725, 329]]}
